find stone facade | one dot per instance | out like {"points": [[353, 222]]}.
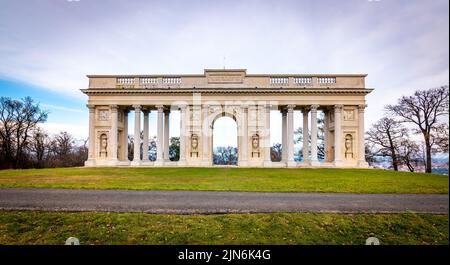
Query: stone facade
{"points": [[247, 98]]}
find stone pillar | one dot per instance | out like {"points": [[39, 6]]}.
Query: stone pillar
{"points": [[325, 135], [361, 144], [284, 148], [137, 136], [338, 135], [244, 142], [305, 136], [205, 135], [166, 135], [183, 135], [290, 136], [91, 150], [145, 137], [114, 132], [267, 147], [314, 159], [159, 137], [125, 135]]}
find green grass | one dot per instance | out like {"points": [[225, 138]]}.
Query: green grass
{"points": [[228, 179], [281, 228]]}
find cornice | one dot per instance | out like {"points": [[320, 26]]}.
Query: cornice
{"points": [[228, 91]]}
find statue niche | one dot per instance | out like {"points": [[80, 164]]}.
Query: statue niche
{"points": [[194, 145], [255, 145], [103, 145], [349, 146]]}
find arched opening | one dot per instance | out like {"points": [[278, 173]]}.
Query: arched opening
{"points": [[225, 141]]}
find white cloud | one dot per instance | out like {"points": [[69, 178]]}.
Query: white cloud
{"points": [[402, 45], [76, 130]]}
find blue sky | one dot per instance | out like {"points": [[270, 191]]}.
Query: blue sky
{"points": [[48, 46]]}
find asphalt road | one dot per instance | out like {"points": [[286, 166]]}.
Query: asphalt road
{"points": [[187, 202]]}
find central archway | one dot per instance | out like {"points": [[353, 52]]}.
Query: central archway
{"points": [[225, 140]]}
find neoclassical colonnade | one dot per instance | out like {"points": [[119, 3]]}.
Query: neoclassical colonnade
{"points": [[246, 98], [191, 155]]}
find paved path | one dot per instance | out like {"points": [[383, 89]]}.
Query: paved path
{"points": [[187, 202]]}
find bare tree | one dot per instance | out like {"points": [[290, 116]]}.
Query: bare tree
{"points": [[409, 154], [385, 137], [40, 146], [423, 109], [18, 119]]}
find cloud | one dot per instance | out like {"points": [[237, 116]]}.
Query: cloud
{"points": [[76, 130], [402, 45], [50, 106]]}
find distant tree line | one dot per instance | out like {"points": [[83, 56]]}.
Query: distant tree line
{"points": [[426, 112], [23, 144]]}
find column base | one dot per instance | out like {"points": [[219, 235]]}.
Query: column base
{"points": [[314, 163], [206, 163], [135, 163], [89, 163], [243, 163], [363, 164], [291, 163], [159, 163], [338, 163], [267, 163], [305, 163]]}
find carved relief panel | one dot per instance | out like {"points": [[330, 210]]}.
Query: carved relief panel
{"points": [[349, 114], [103, 115]]}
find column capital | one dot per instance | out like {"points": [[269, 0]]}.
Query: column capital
{"points": [[182, 107], [91, 107], [338, 108], [244, 108], [114, 108], [305, 110], [362, 107], [205, 106], [314, 107], [137, 107], [145, 111], [160, 108], [290, 107]]}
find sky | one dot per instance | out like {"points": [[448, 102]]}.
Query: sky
{"points": [[47, 47]]}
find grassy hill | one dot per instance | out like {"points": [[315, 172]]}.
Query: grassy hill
{"points": [[228, 179]]}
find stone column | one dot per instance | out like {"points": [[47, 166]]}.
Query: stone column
{"points": [[159, 137], [145, 137], [244, 143], [125, 134], [183, 135], [137, 136], [267, 158], [114, 131], [284, 148], [290, 136], [205, 135], [91, 150], [314, 159], [305, 136], [325, 135], [338, 135], [361, 144], [166, 135]]}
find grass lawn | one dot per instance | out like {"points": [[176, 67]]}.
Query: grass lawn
{"points": [[228, 179], [281, 228]]}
